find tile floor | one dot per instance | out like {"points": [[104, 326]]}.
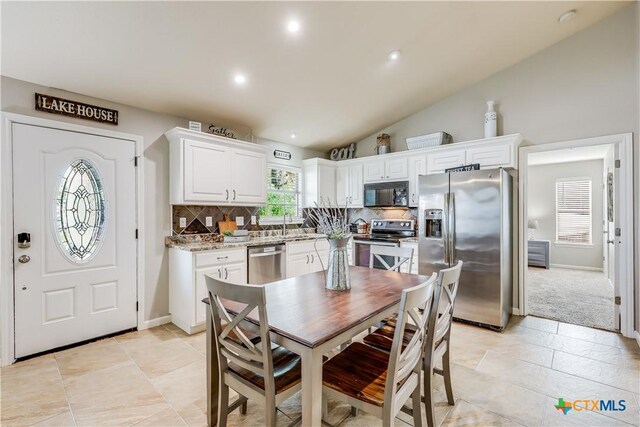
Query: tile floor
{"points": [[157, 378]]}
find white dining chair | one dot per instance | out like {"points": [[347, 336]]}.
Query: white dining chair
{"points": [[254, 370], [401, 256], [380, 382]]}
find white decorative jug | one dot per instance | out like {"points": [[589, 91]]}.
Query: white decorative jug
{"points": [[490, 121]]}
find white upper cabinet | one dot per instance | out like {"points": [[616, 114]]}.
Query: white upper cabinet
{"points": [[395, 169], [349, 185], [211, 170], [374, 170], [439, 161], [417, 167], [319, 182], [202, 181], [356, 186], [501, 154], [248, 177], [344, 181], [343, 185]]}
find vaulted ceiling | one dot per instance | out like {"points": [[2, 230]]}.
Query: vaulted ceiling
{"points": [[329, 83]]}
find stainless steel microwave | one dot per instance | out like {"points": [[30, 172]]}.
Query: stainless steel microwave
{"points": [[387, 195]]}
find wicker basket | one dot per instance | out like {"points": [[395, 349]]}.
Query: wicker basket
{"points": [[426, 141]]}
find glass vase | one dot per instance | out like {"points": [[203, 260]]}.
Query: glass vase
{"points": [[338, 278]]}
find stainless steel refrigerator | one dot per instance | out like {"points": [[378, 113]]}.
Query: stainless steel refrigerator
{"points": [[467, 216]]}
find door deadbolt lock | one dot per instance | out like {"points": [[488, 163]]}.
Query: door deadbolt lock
{"points": [[24, 259], [24, 240]]}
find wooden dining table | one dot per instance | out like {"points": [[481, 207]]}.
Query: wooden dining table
{"points": [[310, 321]]}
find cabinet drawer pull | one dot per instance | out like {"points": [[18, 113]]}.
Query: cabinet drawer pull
{"points": [[219, 273], [307, 259], [311, 258], [227, 191], [223, 257], [226, 273], [234, 194]]}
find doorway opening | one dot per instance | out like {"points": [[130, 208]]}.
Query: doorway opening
{"points": [[576, 232]]}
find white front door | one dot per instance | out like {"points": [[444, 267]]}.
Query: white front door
{"points": [[75, 195]]}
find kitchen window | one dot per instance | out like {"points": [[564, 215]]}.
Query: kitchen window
{"points": [[284, 196], [573, 211]]}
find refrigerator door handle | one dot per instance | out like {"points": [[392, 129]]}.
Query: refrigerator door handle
{"points": [[445, 228], [451, 222]]}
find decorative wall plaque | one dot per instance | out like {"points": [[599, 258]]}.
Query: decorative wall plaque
{"points": [[80, 110], [221, 131], [464, 168], [344, 153], [280, 154]]}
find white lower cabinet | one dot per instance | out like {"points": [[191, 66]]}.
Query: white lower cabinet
{"points": [[187, 284], [306, 257], [414, 261]]}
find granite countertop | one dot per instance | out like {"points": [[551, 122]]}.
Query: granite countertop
{"points": [[208, 242]]}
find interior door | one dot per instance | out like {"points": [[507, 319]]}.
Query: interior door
{"points": [[74, 194]]}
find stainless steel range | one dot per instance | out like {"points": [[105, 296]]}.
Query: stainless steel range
{"points": [[384, 232]]}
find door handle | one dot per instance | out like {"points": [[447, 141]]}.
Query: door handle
{"points": [[452, 228], [234, 194], [445, 228], [227, 191], [24, 259]]}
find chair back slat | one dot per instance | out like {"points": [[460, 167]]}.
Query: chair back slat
{"points": [[442, 310], [401, 255], [233, 346], [415, 304]]}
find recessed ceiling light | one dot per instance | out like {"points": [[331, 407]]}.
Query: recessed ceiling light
{"points": [[394, 55], [293, 26], [293, 136], [240, 79], [567, 16]]}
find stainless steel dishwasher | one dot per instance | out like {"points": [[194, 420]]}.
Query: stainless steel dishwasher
{"points": [[266, 264]]}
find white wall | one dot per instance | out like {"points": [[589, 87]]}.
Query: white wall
{"points": [[584, 86], [18, 97], [541, 201]]}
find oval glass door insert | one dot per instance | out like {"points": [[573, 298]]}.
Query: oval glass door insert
{"points": [[80, 211]]}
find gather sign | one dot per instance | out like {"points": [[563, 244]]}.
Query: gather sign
{"points": [[80, 110]]}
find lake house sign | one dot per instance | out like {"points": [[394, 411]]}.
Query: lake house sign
{"points": [[80, 110]]}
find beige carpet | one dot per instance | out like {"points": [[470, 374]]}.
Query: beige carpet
{"points": [[572, 296]]}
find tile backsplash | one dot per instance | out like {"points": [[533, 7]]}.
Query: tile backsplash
{"points": [[196, 218], [370, 214]]}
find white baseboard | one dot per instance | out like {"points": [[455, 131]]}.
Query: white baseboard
{"points": [[576, 267], [156, 322], [515, 311]]}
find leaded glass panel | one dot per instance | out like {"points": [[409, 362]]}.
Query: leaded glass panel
{"points": [[80, 211]]}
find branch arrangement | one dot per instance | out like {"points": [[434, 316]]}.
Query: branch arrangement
{"points": [[330, 220]]}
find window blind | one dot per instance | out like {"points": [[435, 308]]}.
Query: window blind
{"points": [[573, 211]]}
